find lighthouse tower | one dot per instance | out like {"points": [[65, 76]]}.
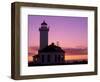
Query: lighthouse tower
{"points": [[43, 35]]}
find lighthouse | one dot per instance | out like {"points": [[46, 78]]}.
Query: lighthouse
{"points": [[48, 54], [43, 35]]}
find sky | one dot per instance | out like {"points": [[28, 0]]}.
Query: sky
{"points": [[71, 32]]}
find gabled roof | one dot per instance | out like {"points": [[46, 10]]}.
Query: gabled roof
{"points": [[52, 48]]}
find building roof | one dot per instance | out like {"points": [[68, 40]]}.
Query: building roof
{"points": [[52, 48]]}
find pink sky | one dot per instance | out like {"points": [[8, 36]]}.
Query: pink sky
{"points": [[71, 32]]}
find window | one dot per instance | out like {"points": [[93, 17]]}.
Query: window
{"points": [[48, 59], [42, 58], [62, 58], [55, 58], [59, 58]]}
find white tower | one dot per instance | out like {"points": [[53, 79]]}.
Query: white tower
{"points": [[43, 35]]}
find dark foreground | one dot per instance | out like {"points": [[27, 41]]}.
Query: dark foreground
{"points": [[66, 63]]}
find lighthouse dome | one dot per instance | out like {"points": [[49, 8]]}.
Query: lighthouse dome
{"points": [[44, 23]]}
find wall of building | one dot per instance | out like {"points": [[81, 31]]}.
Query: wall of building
{"points": [[49, 58]]}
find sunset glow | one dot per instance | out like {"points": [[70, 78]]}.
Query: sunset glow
{"points": [[68, 57], [70, 32], [76, 57]]}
